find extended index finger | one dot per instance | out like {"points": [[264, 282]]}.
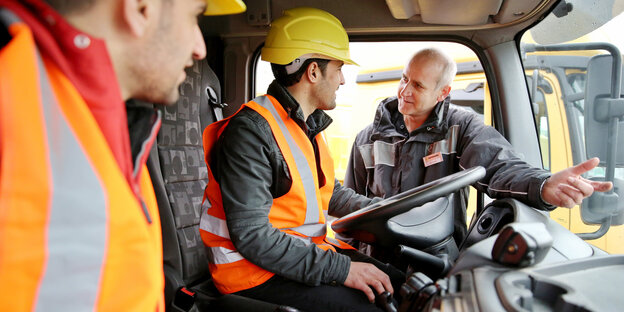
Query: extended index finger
{"points": [[585, 166]]}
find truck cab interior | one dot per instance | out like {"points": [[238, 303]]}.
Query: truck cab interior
{"points": [[477, 273]]}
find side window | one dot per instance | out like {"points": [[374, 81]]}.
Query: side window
{"points": [[377, 77], [564, 52], [541, 91], [576, 79]]}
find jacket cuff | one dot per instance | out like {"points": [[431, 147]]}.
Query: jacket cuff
{"points": [[535, 193], [339, 270]]}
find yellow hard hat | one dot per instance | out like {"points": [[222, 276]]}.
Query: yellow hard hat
{"points": [[224, 7], [302, 31]]}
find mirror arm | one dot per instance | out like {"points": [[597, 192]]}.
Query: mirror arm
{"points": [[534, 85], [604, 228]]}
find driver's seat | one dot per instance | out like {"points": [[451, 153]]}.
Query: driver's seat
{"points": [[178, 172]]}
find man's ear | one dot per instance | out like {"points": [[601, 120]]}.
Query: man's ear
{"points": [[444, 92], [313, 72], [137, 15]]}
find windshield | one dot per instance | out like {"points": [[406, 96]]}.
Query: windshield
{"points": [[568, 61], [377, 78]]}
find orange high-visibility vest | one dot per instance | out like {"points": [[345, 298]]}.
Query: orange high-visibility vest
{"points": [[74, 234], [301, 212]]}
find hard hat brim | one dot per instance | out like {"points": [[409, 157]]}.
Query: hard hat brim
{"points": [[282, 57], [224, 7]]}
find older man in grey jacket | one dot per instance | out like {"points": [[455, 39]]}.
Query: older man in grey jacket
{"points": [[418, 136]]}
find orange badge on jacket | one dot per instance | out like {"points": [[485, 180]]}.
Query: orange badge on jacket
{"points": [[432, 159]]}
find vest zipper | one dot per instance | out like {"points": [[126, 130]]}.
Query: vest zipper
{"points": [[145, 211], [141, 158]]}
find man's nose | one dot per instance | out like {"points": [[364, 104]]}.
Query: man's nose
{"points": [[405, 90], [199, 49]]}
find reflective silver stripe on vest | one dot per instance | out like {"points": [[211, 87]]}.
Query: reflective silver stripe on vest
{"points": [[76, 237], [216, 226], [446, 146], [311, 230], [378, 153], [308, 241], [220, 255], [333, 241], [212, 224], [307, 177]]}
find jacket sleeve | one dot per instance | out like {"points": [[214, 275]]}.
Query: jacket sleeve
{"points": [[345, 200], [356, 175], [507, 175], [352, 195], [245, 176]]}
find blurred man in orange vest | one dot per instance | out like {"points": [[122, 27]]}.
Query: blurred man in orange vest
{"points": [[79, 226], [271, 183]]}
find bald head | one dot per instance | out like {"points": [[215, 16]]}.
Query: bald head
{"points": [[426, 81], [445, 63]]}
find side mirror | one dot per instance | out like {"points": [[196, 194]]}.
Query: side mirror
{"points": [[604, 135], [602, 105]]}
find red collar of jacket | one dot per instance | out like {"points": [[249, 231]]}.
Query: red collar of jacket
{"points": [[89, 68]]}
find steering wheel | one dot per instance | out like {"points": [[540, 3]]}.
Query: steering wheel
{"points": [[372, 220]]}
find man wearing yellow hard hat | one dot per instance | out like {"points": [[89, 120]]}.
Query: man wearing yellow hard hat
{"points": [[272, 186], [79, 226]]}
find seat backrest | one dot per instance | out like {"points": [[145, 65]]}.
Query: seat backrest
{"points": [[179, 176]]}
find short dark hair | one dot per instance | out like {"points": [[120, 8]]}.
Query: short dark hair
{"points": [[279, 71], [70, 6]]}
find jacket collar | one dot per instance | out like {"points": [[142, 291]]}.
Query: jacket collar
{"points": [[88, 67], [389, 121], [436, 118], [316, 122]]}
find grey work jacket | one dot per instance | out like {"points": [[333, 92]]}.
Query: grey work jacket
{"points": [[251, 171], [386, 160]]}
